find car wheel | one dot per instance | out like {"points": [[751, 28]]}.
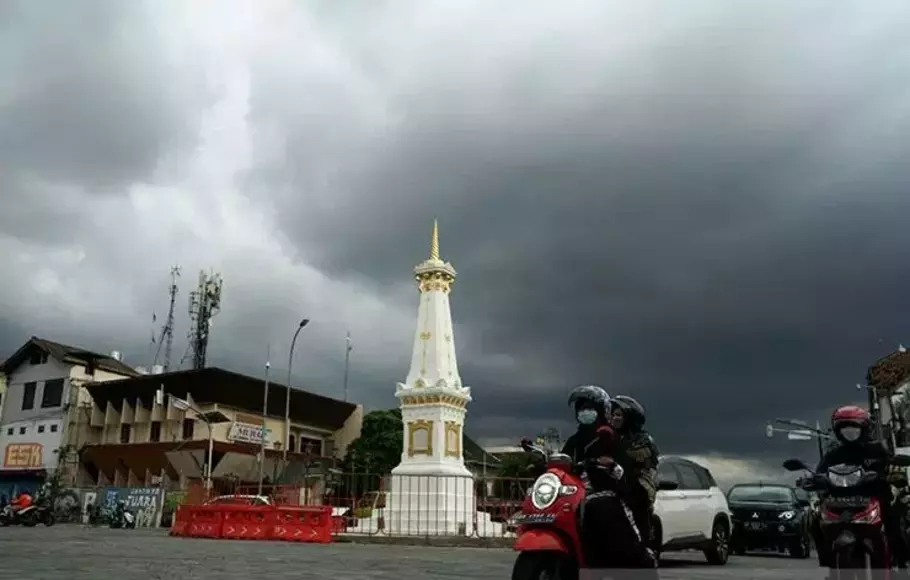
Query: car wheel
{"points": [[718, 551]]}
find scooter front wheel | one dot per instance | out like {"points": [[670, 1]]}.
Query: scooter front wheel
{"points": [[543, 566]]}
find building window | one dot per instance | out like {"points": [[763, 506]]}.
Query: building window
{"points": [[38, 357], [189, 426], [310, 446], [155, 434], [54, 428], [125, 432], [292, 443], [9, 431], [52, 396], [40, 428], [28, 396], [21, 430]]}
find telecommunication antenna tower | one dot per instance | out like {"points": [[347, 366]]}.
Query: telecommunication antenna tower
{"points": [[166, 340], [205, 303]]}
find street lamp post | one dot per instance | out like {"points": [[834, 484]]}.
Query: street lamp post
{"points": [[287, 397], [210, 418], [265, 409], [798, 431]]}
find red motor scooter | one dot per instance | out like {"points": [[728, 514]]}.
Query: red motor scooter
{"points": [[549, 524], [851, 518]]}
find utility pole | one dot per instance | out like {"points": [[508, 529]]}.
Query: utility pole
{"points": [[265, 410]]}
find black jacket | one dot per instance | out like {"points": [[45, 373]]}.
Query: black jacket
{"points": [[871, 455], [585, 445]]}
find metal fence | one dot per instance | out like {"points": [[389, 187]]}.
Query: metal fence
{"points": [[425, 505], [410, 505]]}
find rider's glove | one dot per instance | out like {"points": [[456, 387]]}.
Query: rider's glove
{"points": [[617, 471]]}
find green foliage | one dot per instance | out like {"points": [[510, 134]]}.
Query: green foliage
{"points": [[515, 473], [379, 447]]}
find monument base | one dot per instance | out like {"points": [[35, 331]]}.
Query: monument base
{"points": [[425, 502]]}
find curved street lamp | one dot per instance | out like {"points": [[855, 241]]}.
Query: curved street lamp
{"points": [[287, 399]]}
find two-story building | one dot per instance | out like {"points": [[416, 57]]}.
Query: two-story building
{"points": [[44, 392], [134, 437]]}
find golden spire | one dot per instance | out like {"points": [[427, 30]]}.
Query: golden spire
{"points": [[434, 243]]}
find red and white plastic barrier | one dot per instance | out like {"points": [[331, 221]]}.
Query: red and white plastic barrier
{"points": [[312, 524]]}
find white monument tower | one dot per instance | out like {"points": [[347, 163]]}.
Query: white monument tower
{"points": [[432, 492]]}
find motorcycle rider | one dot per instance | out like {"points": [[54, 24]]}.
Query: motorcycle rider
{"points": [[856, 445], [21, 501], [638, 455], [588, 445]]}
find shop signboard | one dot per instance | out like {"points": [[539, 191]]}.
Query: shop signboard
{"points": [[247, 433], [23, 456]]}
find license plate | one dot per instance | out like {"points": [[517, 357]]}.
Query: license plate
{"points": [[755, 526], [528, 519]]}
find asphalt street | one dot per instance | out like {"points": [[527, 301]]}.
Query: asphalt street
{"points": [[77, 553]]}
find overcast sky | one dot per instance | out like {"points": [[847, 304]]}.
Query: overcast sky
{"points": [[701, 203]]}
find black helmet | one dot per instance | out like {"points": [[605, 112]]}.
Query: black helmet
{"points": [[632, 411], [591, 394]]}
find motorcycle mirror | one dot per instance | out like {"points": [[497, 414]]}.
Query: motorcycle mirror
{"points": [[795, 465]]}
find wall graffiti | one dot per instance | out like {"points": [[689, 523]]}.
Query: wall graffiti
{"points": [[144, 502]]}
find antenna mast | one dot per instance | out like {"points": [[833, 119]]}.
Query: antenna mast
{"points": [[166, 339], [205, 303], [168, 332]]}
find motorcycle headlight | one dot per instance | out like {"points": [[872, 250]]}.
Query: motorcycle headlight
{"points": [[845, 479], [788, 515], [545, 491]]}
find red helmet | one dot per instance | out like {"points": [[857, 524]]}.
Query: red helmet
{"points": [[850, 423]]}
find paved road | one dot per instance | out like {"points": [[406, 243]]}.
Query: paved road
{"points": [[76, 553]]}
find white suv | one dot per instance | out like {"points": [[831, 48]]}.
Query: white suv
{"points": [[695, 515]]}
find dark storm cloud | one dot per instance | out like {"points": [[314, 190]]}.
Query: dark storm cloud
{"points": [[716, 227], [700, 203], [82, 98]]}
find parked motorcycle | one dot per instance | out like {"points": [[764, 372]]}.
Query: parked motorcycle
{"points": [[27, 517], [550, 539], [851, 519], [122, 518]]}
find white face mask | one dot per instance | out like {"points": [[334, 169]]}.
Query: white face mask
{"points": [[850, 433], [587, 416]]}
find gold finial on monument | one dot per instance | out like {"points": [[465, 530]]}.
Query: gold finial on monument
{"points": [[434, 243]]}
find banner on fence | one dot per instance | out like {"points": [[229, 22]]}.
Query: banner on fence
{"points": [[145, 502]]}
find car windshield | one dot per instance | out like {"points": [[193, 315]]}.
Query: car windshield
{"points": [[759, 493]]}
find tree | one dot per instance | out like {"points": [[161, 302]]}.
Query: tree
{"points": [[379, 447], [515, 474]]}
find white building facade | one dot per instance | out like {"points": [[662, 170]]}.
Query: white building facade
{"points": [[43, 389]]}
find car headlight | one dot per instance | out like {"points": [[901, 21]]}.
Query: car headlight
{"points": [[788, 515], [845, 479], [545, 491]]}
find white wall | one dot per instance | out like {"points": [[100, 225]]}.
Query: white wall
{"points": [[31, 444], [16, 446]]}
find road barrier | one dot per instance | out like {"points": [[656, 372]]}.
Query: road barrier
{"points": [[311, 524]]}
